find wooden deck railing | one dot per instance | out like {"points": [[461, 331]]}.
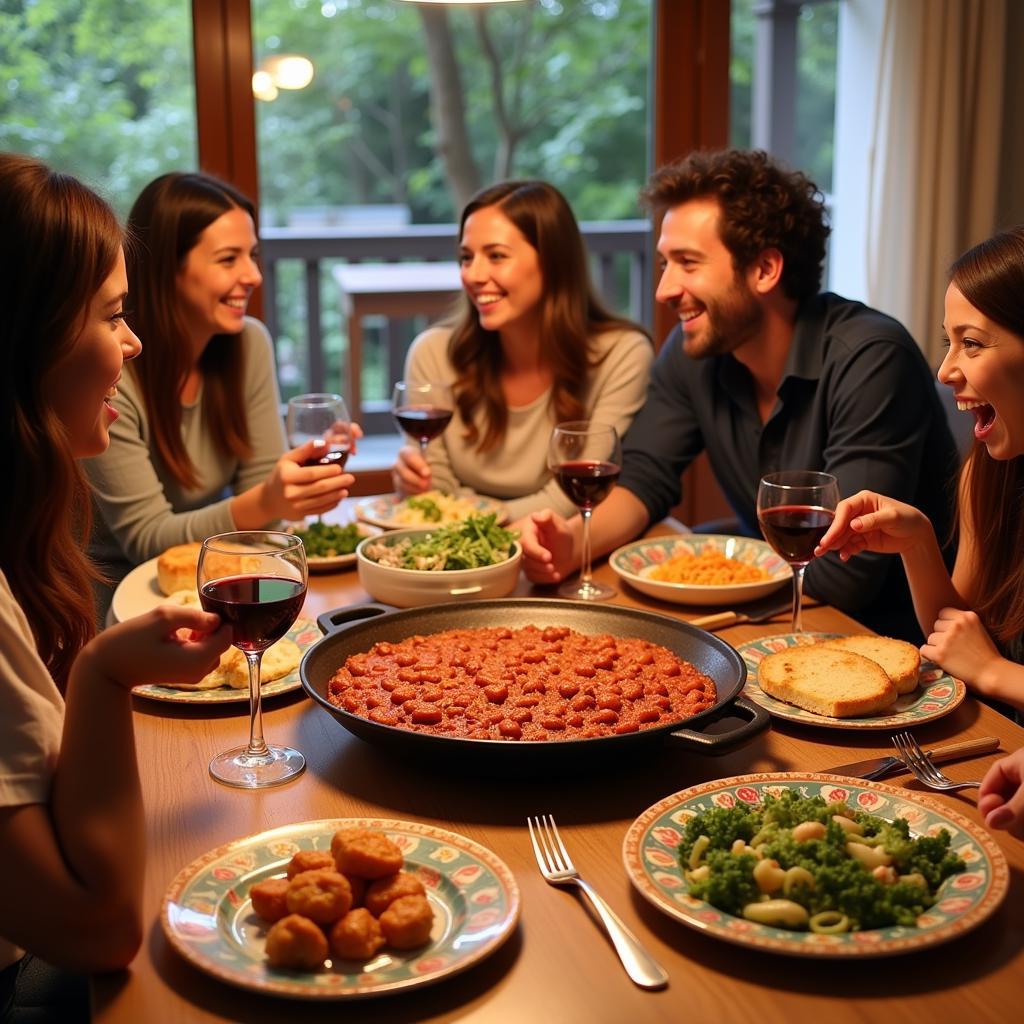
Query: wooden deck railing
{"points": [[620, 251]]}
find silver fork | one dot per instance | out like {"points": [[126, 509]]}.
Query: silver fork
{"points": [[923, 766], [558, 869]]}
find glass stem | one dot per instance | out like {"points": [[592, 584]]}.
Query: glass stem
{"points": [[423, 448], [257, 744], [585, 560], [798, 598]]}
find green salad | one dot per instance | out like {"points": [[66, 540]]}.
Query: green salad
{"points": [[801, 863], [474, 542], [322, 540]]}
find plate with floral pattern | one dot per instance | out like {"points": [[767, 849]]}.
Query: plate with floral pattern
{"points": [[964, 901], [635, 562], [303, 632], [208, 918], [938, 693]]}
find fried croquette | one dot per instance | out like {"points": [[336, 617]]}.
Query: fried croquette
{"points": [[357, 936], [310, 860], [384, 891], [296, 942], [407, 922], [358, 889], [368, 854], [268, 898], [323, 895]]}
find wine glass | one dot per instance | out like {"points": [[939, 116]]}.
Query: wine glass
{"points": [[256, 582], [422, 410], [586, 459], [794, 508], [320, 417]]}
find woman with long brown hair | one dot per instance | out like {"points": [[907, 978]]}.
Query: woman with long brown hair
{"points": [[974, 621], [71, 820], [532, 346], [199, 447]]}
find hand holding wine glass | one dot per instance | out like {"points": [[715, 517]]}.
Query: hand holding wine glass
{"points": [[422, 410], [585, 458], [795, 508], [256, 582], [320, 417]]}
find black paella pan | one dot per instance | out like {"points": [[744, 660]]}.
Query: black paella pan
{"points": [[356, 629]]}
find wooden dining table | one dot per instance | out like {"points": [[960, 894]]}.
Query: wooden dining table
{"points": [[556, 966]]}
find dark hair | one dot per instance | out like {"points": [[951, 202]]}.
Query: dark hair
{"points": [[58, 243], [763, 206], [991, 278], [165, 224], [571, 312]]}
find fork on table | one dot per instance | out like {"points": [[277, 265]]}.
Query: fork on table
{"points": [[558, 869], [922, 765]]}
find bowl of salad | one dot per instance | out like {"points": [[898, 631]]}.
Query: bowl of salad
{"points": [[472, 559]]}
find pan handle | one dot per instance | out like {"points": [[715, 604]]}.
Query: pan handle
{"points": [[719, 743], [342, 618]]}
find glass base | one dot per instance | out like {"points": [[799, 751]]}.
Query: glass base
{"points": [[238, 768], [591, 591]]}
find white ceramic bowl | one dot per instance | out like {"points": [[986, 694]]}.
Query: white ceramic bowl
{"points": [[411, 588]]}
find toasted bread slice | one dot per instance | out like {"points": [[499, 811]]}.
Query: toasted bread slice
{"points": [[839, 684], [902, 661]]}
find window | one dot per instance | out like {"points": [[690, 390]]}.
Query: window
{"points": [[102, 90]]}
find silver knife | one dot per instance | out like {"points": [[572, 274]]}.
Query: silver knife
{"points": [[876, 767]]}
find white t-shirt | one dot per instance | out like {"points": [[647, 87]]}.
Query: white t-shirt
{"points": [[31, 721], [516, 470]]}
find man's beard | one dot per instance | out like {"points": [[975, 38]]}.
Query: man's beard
{"points": [[729, 323]]}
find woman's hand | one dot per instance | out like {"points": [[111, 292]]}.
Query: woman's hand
{"points": [[872, 522], [294, 491], [1001, 797], [411, 473], [549, 546], [166, 645], [960, 644]]}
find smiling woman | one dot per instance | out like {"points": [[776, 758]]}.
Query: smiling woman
{"points": [[198, 448]]}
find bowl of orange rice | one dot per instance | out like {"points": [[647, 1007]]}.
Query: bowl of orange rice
{"points": [[701, 568]]}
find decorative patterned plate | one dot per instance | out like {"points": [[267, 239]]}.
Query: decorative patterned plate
{"points": [[208, 918], [635, 562], [964, 901], [382, 510], [336, 562], [938, 693], [304, 633]]}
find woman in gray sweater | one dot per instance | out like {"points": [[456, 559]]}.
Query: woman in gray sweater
{"points": [[198, 447]]}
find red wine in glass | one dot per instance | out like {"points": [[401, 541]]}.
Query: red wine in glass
{"points": [[336, 455], [585, 458], [260, 609], [795, 530], [795, 508], [255, 580], [587, 482], [423, 422]]}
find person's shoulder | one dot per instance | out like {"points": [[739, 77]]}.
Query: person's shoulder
{"points": [[623, 339], [855, 323], [256, 334]]}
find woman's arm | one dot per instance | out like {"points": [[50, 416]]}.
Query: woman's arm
{"points": [[76, 865]]}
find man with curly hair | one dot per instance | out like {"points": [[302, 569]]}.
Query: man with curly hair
{"points": [[765, 373]]}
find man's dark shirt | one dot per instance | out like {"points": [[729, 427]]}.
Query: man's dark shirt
{"points": [[857, 399]]}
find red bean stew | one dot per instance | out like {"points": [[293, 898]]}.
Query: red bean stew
{"points": [[520, 684]]}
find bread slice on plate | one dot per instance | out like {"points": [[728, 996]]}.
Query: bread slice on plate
{"points": [[827, 681], [902, 661]]}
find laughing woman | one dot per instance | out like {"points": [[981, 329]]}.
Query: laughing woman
{"points": [[71, 823], [199, 447], [975, 621], [533, 346]]}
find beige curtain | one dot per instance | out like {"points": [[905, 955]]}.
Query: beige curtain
{"points": [[935, 155]]}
